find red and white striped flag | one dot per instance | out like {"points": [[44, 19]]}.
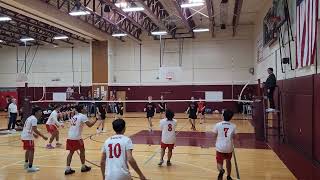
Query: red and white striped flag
{"points": [[306, 31]]}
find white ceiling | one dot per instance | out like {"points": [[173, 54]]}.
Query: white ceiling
{"points": [[249, 10]]}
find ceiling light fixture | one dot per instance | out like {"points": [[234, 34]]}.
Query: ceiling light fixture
{"points": [[1, 41], [60, 37], [201, 30], [159, 33], [5, 18], [26, 39], [79, 13], [119, 34], [133, 9], [188, 5]]}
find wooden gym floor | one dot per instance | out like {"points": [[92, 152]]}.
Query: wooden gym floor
{"points": [[193, 158]]}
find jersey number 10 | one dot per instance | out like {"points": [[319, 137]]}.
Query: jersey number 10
{"points": [[114, 151]]}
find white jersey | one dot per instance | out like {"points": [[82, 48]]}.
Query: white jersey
{"points": [[27, 132], [225, 131], [115, 148], [168, 129], [53, 119], [76, 126], [13, 108]]}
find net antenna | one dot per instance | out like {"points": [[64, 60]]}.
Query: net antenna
{"points": [[244, 87]]}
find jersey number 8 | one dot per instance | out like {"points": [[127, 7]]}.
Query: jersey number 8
{"points": [[169, 127], [116, 150]]}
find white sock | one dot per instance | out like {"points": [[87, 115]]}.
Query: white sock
{"points": [[83, 166], [68, 168]]}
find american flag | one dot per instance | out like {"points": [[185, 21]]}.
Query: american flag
{"points": [[306, 31]]}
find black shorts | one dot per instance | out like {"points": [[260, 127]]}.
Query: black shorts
{"points": [[162, 110], [192, 116], [120, 112], [150, 115], [103, 116]]}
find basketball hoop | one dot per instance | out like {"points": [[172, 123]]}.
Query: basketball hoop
{"points": [[169, 75]]}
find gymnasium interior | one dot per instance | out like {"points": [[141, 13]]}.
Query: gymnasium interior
{"points": [[221, 52]]}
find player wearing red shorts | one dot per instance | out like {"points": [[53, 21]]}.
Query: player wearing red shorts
{"points": [[74, 141], [225, 132], [28, 133], [52, 125], [168, 136], [201, 110]]}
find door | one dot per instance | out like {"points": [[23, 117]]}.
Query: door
{"points": [[122, 95]]}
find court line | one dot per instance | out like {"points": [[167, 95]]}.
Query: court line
{"points": [[12, 164], [158, 150]]}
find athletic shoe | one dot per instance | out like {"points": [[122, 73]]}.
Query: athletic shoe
{"points": [[85, 168], [69, 171], [160, 163], [220, 176], [49, 146], [33, 169], [229, 178], [26, 165], [13, 130], [58, 144], [169, 163]]}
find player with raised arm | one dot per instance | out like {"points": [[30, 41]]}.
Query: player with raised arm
{"points": [[74, 141], [225, 133], [116, 153], [168, 136], [28, 134]]}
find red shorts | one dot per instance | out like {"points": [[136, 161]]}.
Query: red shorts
{"points": [[74, 145], [51, 128], [28, 144], [169, 146], [220, 157]]}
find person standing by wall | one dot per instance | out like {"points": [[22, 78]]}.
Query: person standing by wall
{"points": [[270, 85], [13, 113]]}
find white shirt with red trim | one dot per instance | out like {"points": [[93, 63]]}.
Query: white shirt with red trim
{"points": [[76, 126], [53, 119], [27, 132], [116, 160], [225, 132], [168, 129]]}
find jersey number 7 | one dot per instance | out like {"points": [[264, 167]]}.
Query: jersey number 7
{"points": [[116, 150], [225, 132]]}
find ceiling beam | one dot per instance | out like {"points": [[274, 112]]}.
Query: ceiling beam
{"points": [[28, 34], [189, 23], [119, 10], [38, 26], [236, 15], [155, 10], [210, 9]]}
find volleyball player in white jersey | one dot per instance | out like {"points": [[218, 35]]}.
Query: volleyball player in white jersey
{"points": [[116, 153], [225, 133], [28, 134], [52, 125], [168, 136], [74, 141]]}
